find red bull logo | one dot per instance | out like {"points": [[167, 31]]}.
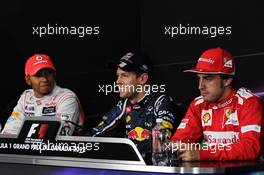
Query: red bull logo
{"points": [[139, 134]]}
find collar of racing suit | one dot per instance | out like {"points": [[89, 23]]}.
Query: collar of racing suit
{"points": [[224, 102], [140, 102], [54, 91]]}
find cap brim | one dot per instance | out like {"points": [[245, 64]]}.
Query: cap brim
{"points": [[39, 68], [206, 72], [129, 69]]}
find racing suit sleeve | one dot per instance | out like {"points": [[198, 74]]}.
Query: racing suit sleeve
{"points": [[250, 143], [69, 110], [190, 129], [165, 108], [110, 120], [16, 119]]}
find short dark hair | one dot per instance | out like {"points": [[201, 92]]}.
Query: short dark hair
{"points": [[138, 74]]}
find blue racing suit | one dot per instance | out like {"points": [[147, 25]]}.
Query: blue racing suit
{"points": [[135, 121]]}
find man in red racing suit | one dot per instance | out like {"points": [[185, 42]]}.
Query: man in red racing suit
{"points": [[227, 123]]}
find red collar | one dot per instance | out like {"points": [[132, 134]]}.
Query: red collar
{"points": [[224, 102]]}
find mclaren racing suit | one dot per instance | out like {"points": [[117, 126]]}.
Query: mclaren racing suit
{"points": [[229, 130], [62, 103], [135, 121]]}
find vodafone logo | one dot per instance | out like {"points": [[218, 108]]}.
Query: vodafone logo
{"points": [[38, 58]]}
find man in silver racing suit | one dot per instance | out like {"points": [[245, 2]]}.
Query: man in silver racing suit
{"points": [[45, 99]]}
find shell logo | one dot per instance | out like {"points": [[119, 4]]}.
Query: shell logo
{"points": [[206, 117]]}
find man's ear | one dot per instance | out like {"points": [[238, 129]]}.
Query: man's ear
{"points": [[55, 75], [228, 81], [28, 81], [144, 78]]}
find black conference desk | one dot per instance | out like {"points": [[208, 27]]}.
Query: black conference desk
{"points": [[69, 168], [66, 155], [63, 163]]}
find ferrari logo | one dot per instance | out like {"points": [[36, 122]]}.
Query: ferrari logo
{"points": [[227, 112]]}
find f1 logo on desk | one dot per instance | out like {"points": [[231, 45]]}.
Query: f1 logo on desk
{"points": [[38, 129], [41, 131]]}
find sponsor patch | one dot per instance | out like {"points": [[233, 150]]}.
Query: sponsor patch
{"points": [[136, 106], [128, 118], [227, 112], [207, 117], [15, 115], [248, 128], [207, 60], [101, 123], [139, 134], [244, 93], [167, 124], [128, 109], [228, 64], [183, 124], [11, 119], [232, 119], [29, 108], [49, 110], [29, 114], [224, 137]]}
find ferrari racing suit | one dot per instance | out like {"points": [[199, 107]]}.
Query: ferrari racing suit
{"points": [[231, 129]]}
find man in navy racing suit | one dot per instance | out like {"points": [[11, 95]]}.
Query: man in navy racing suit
{"points": [[136, 112]]}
